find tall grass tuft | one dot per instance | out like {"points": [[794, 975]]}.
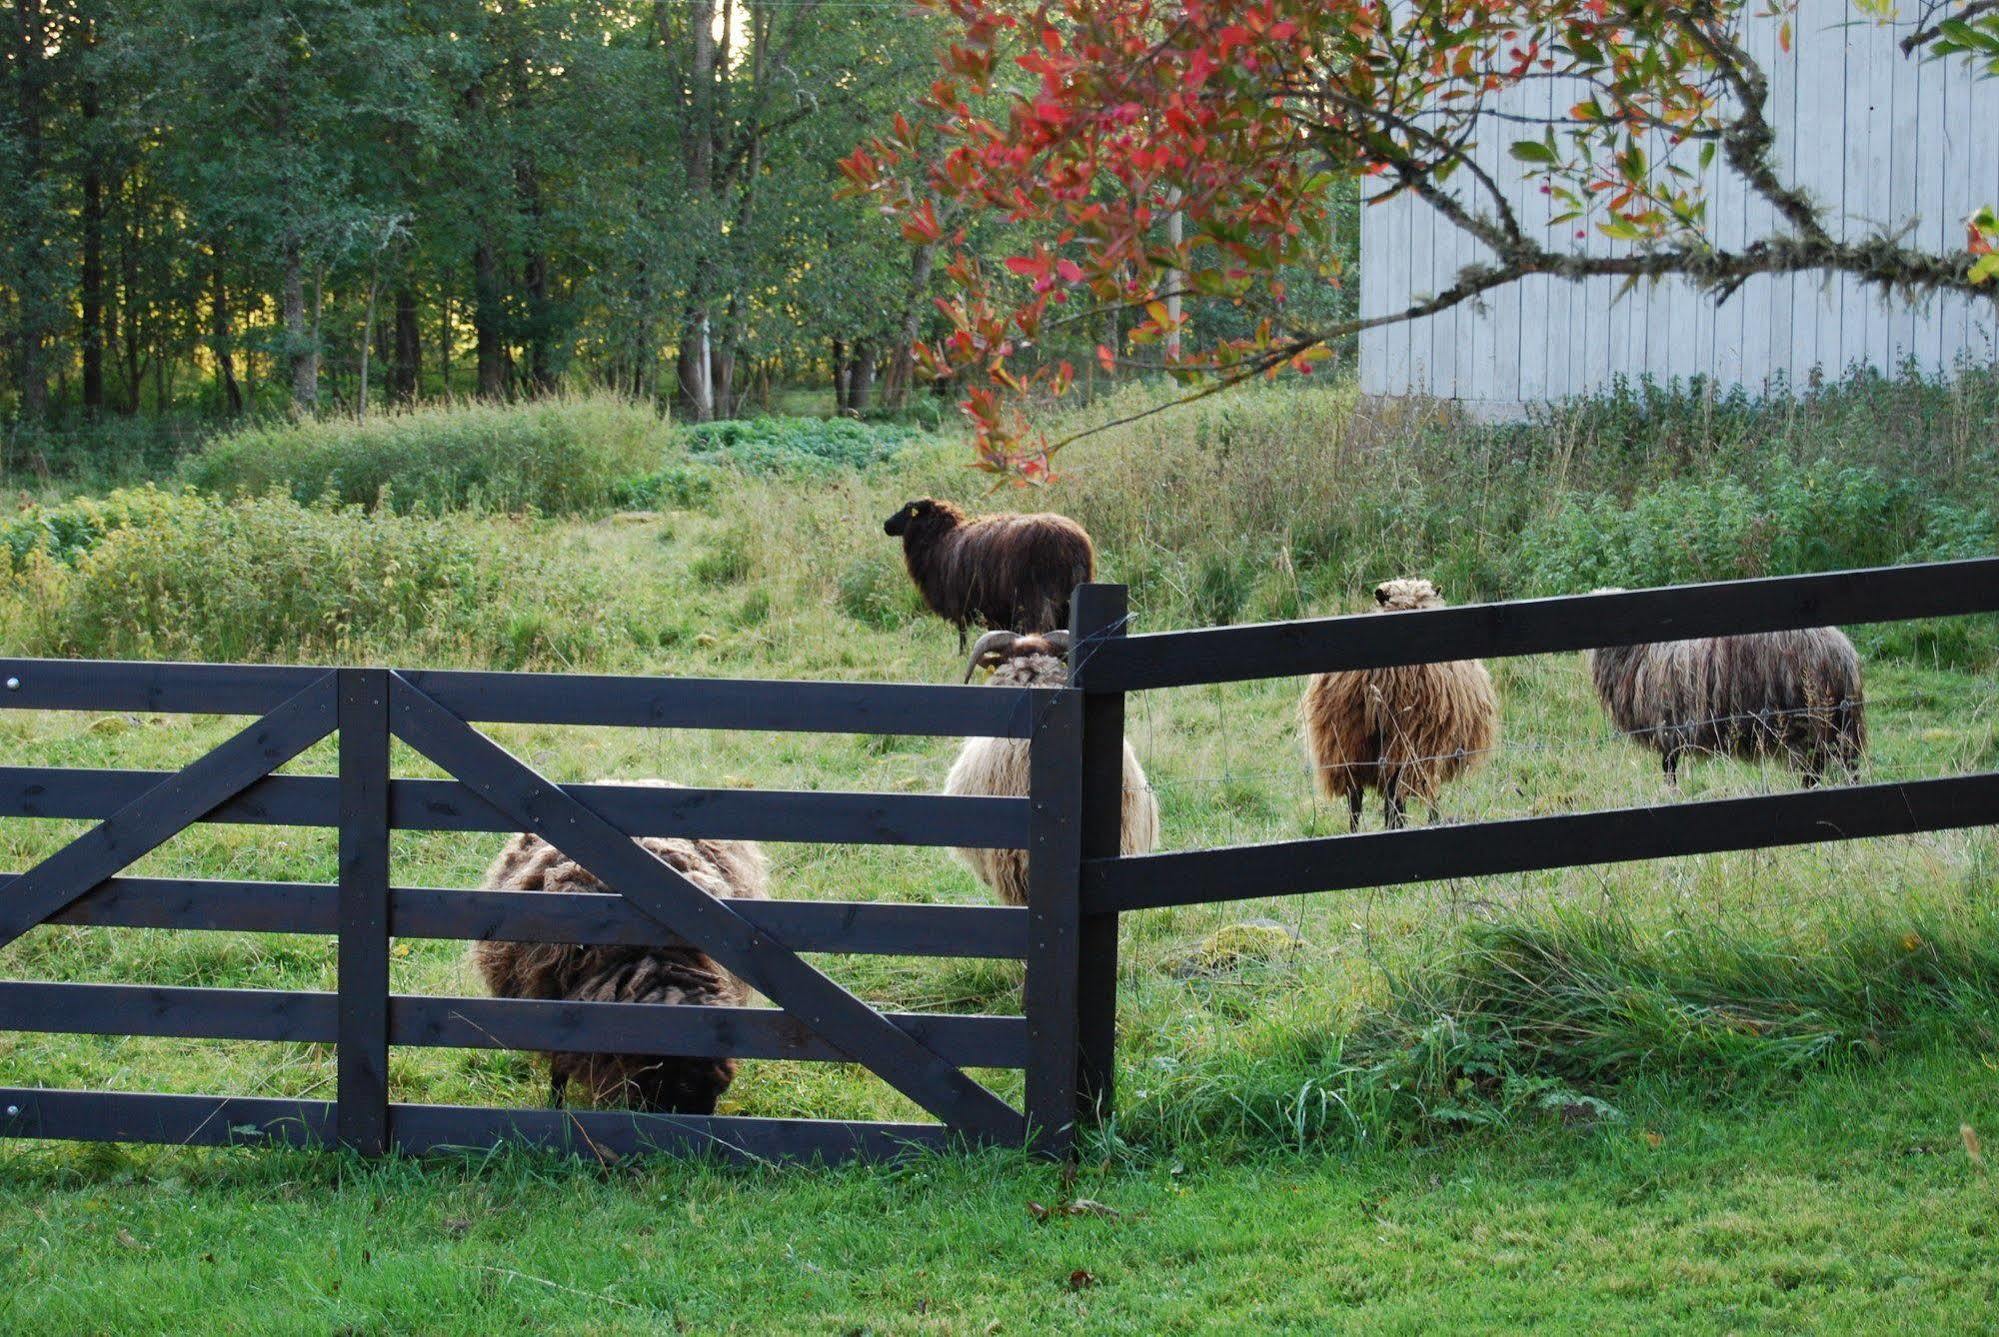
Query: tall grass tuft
{"points": [[188, 576], [1557, 1016], [556, 456]]}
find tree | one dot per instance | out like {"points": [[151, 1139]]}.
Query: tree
{"points": [[1246, 119], [194, 197], [31, 210]]}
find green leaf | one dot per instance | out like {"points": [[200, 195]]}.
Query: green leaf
{"points": [[1986, 269], [1534, 151]]}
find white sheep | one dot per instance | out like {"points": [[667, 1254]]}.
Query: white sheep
{"points": [[997, 767]]}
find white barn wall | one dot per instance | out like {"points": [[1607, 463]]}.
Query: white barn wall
{"points": [[1879, 138]]}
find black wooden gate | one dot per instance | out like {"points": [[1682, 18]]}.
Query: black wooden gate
{"points": [[924, 1056]]}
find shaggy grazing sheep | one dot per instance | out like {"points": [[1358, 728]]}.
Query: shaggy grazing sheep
{"points": [[1010, 572], [1405, 731], [625, 974], [997, 767], [1793, 695]]}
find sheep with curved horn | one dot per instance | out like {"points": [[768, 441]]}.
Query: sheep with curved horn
{"points": [[997, 767]]}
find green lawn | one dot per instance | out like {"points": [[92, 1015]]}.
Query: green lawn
{"points": [[1849, 1203]]}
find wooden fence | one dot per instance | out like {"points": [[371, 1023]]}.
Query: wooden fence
{"points": [[1109, 664], [1067, 936], [924, 1056]]}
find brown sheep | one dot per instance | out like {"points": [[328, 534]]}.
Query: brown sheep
{"points": [[619, 973], [997, 767], [1792, 695], [1405, 731], [1007, 572]]}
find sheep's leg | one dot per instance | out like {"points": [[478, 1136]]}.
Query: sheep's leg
{"points": [[1391, 801], [1669, 760], [961, 639], [558, 1086], [1355, 796]]}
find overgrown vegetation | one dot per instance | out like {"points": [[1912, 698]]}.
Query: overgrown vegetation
{"points": [[558, 456], [780, 445], [148, 574], [1277, 503]]}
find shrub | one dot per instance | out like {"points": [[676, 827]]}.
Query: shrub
{"points": [[677, 485], [66, 532], [552, 455], [1804, 518], [97, 453], [268, 579], [788, 445]]}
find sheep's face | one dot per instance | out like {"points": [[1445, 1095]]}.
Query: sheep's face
{"points": [[898, 524], [1401, 596]]}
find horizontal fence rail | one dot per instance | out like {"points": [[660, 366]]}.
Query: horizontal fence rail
{"points": [[1540, 626], [220, 1121], [1527, 844], [814, 816], [306, 1017], [541, 698], [855, 928]]}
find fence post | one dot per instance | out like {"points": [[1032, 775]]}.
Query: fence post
{"points": [[361, 1116], [1098, 613], [1054, 866]]}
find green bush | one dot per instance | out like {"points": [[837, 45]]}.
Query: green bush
{"points": [[677, 485], [64, 533], [788, 445], [1803, 518], [99, 452], [556, 456], [266, 578]]}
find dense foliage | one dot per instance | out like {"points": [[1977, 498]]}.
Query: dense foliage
{"points": [[207, 206], [552, 455]]}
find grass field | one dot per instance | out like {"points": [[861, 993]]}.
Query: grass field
{"points": [[1722, 1092], [1850, 1204]]}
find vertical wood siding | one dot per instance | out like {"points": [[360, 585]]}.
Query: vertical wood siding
{"points": [[1880, 139]]}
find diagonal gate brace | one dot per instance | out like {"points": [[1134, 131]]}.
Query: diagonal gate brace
{"points": [[836, 1016], [168, 808]]}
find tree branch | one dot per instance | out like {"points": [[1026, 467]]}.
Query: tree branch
{"points": [[1929, 32], [1747, 140]]}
